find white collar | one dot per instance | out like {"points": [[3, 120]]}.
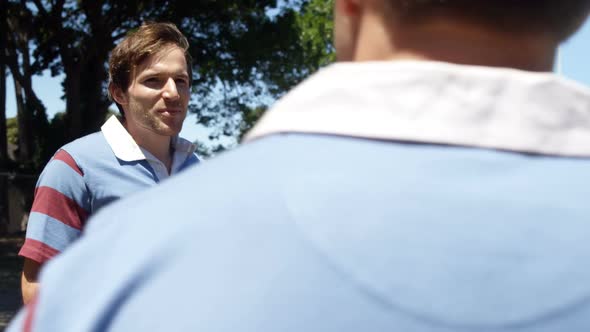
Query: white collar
{"points": [[125, 148], [120, 141], [433, 102]]}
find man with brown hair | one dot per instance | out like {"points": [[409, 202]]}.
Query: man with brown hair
{"points": [[150, 79], [435, 180]]}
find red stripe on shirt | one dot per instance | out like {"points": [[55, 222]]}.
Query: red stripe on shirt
{"points": [[28, 325], [67, 158], [59, 206], [37, 251]]}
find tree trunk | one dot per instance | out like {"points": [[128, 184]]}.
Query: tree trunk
{"points": [[95, 103], [3, 134], [3, 143], [72, 87], [29, 107], [25, 135]]}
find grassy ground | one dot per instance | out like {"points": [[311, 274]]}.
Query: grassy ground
{"points": [[10, 266]]}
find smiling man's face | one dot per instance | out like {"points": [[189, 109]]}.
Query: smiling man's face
{"points": [[158, 95]]}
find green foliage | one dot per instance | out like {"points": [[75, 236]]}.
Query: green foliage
{"points": [[12, 130], [243, 60], [313, 26], [316, 28], [50, 144], [12, 133], [249, 119], [206, 151], [246, 53], [280, 51]]}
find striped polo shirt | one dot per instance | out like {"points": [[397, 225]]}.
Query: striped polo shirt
{"points": [[84, 176]]}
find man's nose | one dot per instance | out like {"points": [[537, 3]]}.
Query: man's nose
{"points": [[170, 90]]}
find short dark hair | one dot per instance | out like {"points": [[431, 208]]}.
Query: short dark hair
{"points": [[560, 18], [148, 39]]}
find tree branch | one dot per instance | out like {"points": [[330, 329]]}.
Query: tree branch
{"points": [[40, 7]]}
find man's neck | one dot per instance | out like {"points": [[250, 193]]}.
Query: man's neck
{"points": [[456, 43], [157, 145]]}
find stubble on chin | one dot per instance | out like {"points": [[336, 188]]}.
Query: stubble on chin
{"points": [[166, 126]]}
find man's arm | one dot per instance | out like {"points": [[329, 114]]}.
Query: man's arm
{"points": [[28, 281], [57, 215]]}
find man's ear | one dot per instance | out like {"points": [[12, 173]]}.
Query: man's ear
{"points": [[118, 95], [349, 8]]}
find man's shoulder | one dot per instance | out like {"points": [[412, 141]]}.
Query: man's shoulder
{"points": [[257, 171], [92, 147], [89, 144], [241, 176]]}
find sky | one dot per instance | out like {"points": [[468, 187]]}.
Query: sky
{"points": [[572, 63]]}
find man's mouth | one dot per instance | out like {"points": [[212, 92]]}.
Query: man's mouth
{"points": [[170, 111]]}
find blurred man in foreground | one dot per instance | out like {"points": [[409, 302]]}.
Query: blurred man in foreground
{"points": [[434, 180]]}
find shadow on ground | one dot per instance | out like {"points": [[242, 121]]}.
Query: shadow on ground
{"points": [[10, 266]]}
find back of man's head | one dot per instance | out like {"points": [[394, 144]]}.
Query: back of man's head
{"points": [[557, 18], [521, 34]]}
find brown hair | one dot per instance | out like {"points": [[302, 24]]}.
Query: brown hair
{"points": [[140, 44], [559, 18]]}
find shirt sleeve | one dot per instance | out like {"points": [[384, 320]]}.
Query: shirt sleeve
{"points": [[60, 209], [17, 324]]}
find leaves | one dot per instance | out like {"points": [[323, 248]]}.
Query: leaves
{"points": [[245, 53], [267, 54], [316, 27]]}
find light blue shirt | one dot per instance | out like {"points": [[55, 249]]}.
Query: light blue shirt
{"points": [[320, 230]]}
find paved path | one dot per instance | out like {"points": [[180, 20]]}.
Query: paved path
{"points": [[10, 266]]}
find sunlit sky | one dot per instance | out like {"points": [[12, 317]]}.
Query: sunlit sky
{"points": [[572, 63]]}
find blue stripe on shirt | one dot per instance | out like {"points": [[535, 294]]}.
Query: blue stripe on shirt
{"points": [[50, 231]]}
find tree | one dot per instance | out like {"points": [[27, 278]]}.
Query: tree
{"points": [[12, 130], [32, 119], [242, 54], [263, 60], [313, 27], [246, 54], [75, 37], [3, 131], [3, 31]]}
